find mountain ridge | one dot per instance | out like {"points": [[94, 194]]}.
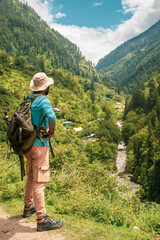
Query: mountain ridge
{"points": [[125, 63], [24, 33]]}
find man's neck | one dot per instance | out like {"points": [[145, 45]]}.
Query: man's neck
{"points": [[44, 92]]}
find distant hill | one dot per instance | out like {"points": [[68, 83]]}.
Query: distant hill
{"points": [[136, 59], [24, 33]]}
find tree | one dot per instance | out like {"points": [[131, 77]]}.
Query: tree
{"points": [[20, 61], [138, 98], [153, 95], [4, 58]]}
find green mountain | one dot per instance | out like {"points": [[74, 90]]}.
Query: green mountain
{"points": [[135, 68], [24, 33], [135, 60], [141, 130]]}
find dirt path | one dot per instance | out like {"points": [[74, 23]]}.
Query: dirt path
{"points": [[21, 229]]}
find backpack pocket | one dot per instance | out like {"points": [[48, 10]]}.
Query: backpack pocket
{"points": [[26, 125]]}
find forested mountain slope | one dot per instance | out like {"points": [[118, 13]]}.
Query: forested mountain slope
{"points": [[24, 33], [134, 60], [141, 133]]}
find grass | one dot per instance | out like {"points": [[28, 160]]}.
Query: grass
{"points": [[77, 228]]}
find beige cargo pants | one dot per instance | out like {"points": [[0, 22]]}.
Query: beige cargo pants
{"points": [[37, 177]]}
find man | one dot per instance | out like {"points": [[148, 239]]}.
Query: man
{"points": [[38, 156]]}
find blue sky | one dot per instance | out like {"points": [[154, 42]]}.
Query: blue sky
{"points": [[98, 26], [91, 13]]}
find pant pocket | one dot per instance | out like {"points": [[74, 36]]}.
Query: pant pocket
{"points": [[43, 174]]}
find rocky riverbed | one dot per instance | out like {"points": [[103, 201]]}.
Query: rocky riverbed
{"points": [[121, 160]]}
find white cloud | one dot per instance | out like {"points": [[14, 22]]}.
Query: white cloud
{"points": [[60, 15], [98, 42], [130, 6], [95, 43], [97, 4], [92, 42]]}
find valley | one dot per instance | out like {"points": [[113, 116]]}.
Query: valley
{"points": [[105, 177]]}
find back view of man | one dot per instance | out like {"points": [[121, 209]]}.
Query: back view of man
{"points": [[38, 156]]}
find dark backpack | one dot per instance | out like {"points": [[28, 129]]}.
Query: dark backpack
{"points": [[20, 131]]}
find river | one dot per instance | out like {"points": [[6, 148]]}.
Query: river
{"points": [[121, 160]]}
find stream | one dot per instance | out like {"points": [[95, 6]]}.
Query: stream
{"points": [[121, 160]]}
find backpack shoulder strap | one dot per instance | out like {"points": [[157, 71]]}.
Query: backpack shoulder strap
{"points": [[34, 97]]}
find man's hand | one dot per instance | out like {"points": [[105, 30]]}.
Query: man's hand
{"points": [[50, 134]]}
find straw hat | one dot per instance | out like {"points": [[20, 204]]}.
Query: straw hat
{"points": [[40, 82]]}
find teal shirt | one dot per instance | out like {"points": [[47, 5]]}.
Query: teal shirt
{"points": [[40, 108]]}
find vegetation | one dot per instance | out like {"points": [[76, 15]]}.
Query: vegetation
{"points": [[26, 36], [83, 180], [141, 133]]}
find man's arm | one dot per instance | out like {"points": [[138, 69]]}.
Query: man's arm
{"points": [[49, 113], [51, 129]]}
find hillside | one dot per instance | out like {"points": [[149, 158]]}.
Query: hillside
{"points": [[141, 133], [24, 33], [134, 60], [83, 190], [79, 99]]}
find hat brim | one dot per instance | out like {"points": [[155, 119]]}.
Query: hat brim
{"points": [[49, 82]]}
